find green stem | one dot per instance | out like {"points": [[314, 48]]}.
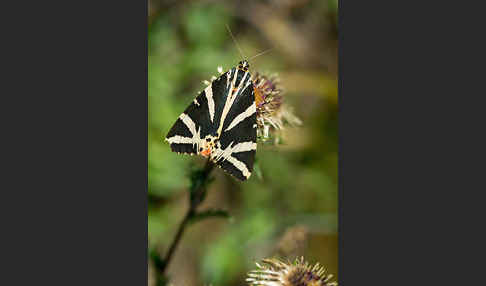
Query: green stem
{"points": [[197, 195]]}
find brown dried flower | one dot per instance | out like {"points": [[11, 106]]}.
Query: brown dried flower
{"points": [[275, 272], [272, 113]]}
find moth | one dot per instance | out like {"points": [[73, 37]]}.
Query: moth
{"points": [[220, 123]]}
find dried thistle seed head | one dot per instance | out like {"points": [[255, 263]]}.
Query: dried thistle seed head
{"points": [[272, 113], [268, 93], [274, 272]]}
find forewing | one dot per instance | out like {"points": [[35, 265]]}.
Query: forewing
{"points": [[225, 109], [199, 119], [238, 139]]}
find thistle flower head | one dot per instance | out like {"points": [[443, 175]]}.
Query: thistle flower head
{"points": [[274, 272], [272, 113]]}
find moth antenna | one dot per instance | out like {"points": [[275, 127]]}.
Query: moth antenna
{"points": [[234, 40], [259, 54]]}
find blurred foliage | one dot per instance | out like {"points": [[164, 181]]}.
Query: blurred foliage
{"points": [[296, 184]]}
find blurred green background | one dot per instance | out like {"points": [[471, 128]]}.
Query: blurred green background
{"points": [[293, 209]]}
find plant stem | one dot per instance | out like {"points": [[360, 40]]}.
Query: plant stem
{"points": [[196, 197], [175, 242]]}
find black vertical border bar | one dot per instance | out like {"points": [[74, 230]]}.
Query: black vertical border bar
{"points": [[144, 263], [405, 220], [76, 166]]}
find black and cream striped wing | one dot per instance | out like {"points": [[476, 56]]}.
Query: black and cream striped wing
{"points": [[188, 131], [200, 119], [236, 151], [225, 111]]}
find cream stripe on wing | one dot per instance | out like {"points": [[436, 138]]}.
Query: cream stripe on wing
{"points": [[239, 165], [228, 77], [227, 104], [223, 153], [247, 85], [230, 149], [188, 122], [242, 116], [177, 139], [244, 146], [230, 99], [196, 135], [209, 95], [243, 81]]}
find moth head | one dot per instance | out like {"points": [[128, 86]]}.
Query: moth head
{"points": [[243, 65]]}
